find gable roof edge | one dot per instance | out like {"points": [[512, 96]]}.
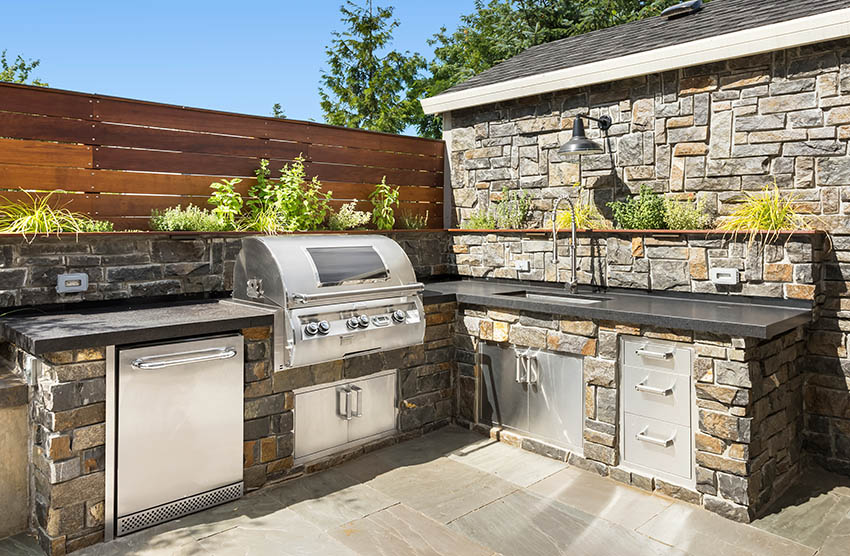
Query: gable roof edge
{"points": [[823, 27]]}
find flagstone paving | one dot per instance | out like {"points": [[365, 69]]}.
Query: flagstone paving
{"points": [[453, 492]]}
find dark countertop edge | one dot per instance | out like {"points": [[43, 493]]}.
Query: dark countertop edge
{"points": [[133, 336], [624, 317]]}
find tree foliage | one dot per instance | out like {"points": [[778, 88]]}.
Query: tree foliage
{"points": [[368, 85], [277, 111], [18, 71], [500, 29]]}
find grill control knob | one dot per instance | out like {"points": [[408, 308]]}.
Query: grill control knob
{"points": [[324, 327], [311, 329], [364, 321], [352, 323], [399, 316]]}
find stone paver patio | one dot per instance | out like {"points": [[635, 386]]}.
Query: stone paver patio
{"points": [[453, 492]]}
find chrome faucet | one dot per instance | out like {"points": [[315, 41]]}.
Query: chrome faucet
{"points": [[573, 285]]}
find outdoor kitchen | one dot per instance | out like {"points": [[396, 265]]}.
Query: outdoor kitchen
{"points": [[497, 388]]}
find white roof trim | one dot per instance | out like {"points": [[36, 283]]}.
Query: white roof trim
{"points": [[796, 32]]}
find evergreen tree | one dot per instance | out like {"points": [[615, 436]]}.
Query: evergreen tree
{"points": [[19, 70], [366, 84]]}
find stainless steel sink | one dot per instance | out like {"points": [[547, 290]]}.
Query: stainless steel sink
{"points": [[561, 298]]}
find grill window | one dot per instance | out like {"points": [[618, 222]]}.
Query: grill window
{"points": [[340, 265]]}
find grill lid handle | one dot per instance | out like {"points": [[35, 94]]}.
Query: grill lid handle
{"points": [[415, 287]]}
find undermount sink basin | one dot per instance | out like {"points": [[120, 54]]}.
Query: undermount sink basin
{"points": [[562, 298]]}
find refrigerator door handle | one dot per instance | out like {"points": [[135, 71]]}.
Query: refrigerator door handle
{"points": [[200, 356]]}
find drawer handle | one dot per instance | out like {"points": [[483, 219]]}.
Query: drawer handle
{"points": [[643, 352], [200, 356], [642, 387], [663, 442]]}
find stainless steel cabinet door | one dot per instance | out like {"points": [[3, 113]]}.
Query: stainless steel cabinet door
{"points": [[179, 421], [504, 399], [320, 420], [556, 399], [373, 406]]}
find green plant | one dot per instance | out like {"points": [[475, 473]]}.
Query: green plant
{"points": [[512, 211], [383, 198], [769, 211], [300, 204], [190, 219], [348, 217], [414, 221], [587, 217], [480, 220], [262, 193], [37, 215], [642, 212], [227, 201], [687, 214]]}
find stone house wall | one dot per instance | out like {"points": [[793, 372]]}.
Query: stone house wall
{"points": [[748, 434], [713, 130], [152, 264]]}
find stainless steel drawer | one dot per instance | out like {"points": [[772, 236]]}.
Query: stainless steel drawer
{"points": [[657, 445], [656, 354], [657, 394]]}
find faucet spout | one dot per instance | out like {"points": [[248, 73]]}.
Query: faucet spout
{"points": [[573, 284]]}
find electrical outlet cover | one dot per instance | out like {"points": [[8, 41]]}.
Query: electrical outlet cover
{"points": [[724, 276]]}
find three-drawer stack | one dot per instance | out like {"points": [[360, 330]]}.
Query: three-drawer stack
{"points": [[657, 409]]}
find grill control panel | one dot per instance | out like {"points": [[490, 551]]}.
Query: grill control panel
{"points": [[348, 322]]}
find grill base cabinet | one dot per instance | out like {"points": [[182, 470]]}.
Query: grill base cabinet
{"points": [[333, 417], [175, 438], [534, 392]]}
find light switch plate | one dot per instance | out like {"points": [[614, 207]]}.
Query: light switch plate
{"points": [[724, 276], [72, 283]]}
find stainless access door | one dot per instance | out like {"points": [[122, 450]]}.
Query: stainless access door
{"points": [[504, 393], [320, 420], [179, 428], [373, 406], [556, 399]]}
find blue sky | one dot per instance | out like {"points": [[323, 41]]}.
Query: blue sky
{"points": [[234, 56]]}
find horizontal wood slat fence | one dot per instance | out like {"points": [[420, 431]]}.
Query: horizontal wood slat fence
{"points": [[117, 159]]}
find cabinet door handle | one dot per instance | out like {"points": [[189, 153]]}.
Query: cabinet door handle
{"points": [[533, 367], [642, 387], [663, 442], [522, 367], [643, 352], [359, 391], [344, 401]]}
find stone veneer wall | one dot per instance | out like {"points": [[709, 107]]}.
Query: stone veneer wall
{"points": [[749, 432], [673, 262], [153, 264], [712, 130], [69, 431]]}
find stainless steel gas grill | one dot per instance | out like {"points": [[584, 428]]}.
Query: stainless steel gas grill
{"points": [[336, 296]]}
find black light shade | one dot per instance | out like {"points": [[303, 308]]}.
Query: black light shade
{"points": [[579, 144]]}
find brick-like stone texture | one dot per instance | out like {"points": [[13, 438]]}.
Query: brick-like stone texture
{"points": [[153, 265]]}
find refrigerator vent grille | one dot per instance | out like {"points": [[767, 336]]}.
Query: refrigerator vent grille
{"points": [[173, 510]]}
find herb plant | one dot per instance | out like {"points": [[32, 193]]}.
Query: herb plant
{"points": [[642, 212], [480, 220], [414, 221], [512, 211], [348, 217], [300, 204], [587, 216], [384, 198], [227, 201], [190, 219], [687, 214]]}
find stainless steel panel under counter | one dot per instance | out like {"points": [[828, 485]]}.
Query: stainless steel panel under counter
{"points": [[177, 430]]}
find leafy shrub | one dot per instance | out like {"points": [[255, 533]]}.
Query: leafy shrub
{"points": [[190, 219], [643, 212], [348, 217], [512, 211], [768, 211], [37, 215], [480, 220], [687, 215], [587, 217], [227, 201], [383, 198], [414, 221]]}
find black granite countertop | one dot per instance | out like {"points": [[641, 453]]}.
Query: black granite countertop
{"points": [[720, 314], [127, 324]]}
